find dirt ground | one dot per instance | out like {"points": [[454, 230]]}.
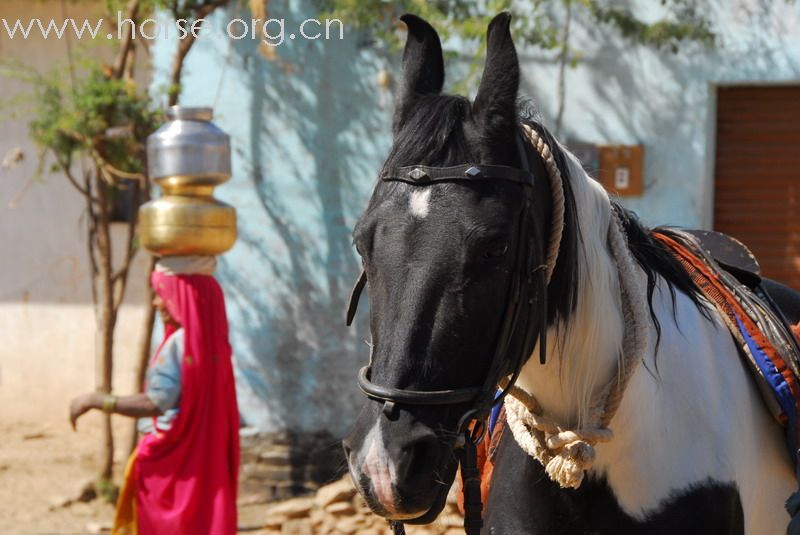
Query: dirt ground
{"points": [[43, 464]]}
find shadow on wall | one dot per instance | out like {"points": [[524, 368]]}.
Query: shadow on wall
{"points": [[308, 132]]}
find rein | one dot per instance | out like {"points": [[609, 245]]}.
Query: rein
{"points": [[525, 285]]}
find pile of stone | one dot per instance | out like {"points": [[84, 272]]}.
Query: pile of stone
{"points": [[277, 466], [337, 509]]}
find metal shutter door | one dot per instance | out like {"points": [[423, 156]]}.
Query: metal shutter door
{"points": [[757, 175]]}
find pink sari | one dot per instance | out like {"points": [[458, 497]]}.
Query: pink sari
{"points": [[186, 477]]}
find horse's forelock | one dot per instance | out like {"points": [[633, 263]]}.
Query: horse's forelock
{"points": [[433, 134]]}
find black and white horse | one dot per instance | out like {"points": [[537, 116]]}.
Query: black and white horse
{"points": [[694, 449]]}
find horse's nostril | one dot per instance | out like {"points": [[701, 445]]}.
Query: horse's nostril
{"points": [[420, 458]]}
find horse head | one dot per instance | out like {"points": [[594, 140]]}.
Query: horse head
{"points": [[453, 266]]}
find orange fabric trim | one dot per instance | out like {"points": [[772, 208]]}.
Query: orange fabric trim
{"points": [[125, 514], [486, 452]]}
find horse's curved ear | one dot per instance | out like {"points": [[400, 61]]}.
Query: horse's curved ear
{"points": [[422, 67], [495, 106]]}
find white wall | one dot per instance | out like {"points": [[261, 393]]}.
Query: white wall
{"points": [[46, 315], [665, 101]]}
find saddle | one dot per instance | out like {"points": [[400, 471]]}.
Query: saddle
{"points": [[731, 254], [737, 260]]}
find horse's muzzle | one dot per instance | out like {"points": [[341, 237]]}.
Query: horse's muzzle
{"points": [[400, 467]]}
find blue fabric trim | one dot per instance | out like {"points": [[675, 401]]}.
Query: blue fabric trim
{"points": [[164, 374], [780, 388], [495, 414]]}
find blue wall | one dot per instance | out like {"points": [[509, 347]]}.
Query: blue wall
{"points": [[311, 126], [308, 132]]}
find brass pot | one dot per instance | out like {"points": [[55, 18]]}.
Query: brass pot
{"points": [[182, 225]]}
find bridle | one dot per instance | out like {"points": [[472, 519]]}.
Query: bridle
{"points": [[515, 340]]}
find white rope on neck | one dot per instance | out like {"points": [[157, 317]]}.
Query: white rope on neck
{"points": [[567, 453]]}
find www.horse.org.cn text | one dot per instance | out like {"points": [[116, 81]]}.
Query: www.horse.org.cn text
{"points": [[272, 32]]}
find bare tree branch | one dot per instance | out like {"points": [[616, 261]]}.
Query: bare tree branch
{"points": [[563, 58], [185, 45], [120, 173], [66, 168], [126, 44], [130, 67], [120, 278]]}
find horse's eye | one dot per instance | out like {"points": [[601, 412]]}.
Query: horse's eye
{"points": [[497, 251]]}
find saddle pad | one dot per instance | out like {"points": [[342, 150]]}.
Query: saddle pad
{"points": [[761, 336], [486, 455]]}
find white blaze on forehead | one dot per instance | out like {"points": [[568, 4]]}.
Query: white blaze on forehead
{"points": [[419, 202]]}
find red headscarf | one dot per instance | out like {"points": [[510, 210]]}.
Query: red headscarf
{"points": [[186, 477]]}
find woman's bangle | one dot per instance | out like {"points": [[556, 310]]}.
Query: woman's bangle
{"points": [[109, 404]]}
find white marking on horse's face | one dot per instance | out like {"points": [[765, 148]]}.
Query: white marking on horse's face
{"points": [[419, 202], [379, 468]]}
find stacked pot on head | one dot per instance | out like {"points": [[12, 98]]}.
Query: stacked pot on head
{"points": [[188, 157]]}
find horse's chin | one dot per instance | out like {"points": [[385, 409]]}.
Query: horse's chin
{"points": [[391, 511], [388, 511], [404, 517], [420, 515]]}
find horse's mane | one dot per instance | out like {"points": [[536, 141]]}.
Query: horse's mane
{"points": [[585, 284], [655, 259], [650, 254], [562, 294]]}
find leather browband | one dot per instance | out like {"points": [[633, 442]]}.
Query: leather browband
{"points": [[423, 174]]}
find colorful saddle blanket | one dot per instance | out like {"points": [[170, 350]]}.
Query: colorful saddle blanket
{"points": [[767, 344]]}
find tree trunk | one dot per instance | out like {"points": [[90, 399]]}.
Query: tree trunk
{"points": [[107, 318], [144, 349]]}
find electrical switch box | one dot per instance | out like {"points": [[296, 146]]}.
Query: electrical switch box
{"points": [[621, 169]]}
